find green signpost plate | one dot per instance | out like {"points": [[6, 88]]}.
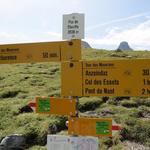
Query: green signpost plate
{"points": [[44, 105], [102, 127]]}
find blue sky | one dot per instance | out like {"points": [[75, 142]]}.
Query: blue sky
{"points": [[107, 22]]}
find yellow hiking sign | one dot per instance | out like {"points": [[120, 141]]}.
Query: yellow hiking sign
{"points": [[40, 52], [106, 78]]}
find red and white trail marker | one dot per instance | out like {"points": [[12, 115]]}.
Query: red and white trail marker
{"points": [[115, 128], [55, 106], [32, 104]]}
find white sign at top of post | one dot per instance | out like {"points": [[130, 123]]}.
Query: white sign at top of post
{"points": [[73, 26]]}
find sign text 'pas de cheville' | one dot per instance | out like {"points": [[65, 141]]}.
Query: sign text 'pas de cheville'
{"points": [[106, 78], [73, 26]]}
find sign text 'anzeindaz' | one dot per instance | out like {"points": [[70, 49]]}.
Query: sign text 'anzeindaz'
{"points": [[73, 26], [107, 78]]}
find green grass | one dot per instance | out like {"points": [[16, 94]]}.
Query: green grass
{"points": [[87, 104], [93, 54], [20, 83], [35, 127]]}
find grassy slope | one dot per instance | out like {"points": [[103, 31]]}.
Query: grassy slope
{"points": [[19, 83]]}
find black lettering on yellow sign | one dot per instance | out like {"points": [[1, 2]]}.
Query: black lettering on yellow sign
{"points": [[88, 82], [88, 64], [145, 72], [49, 55], [108, 78], [110, 82], [106, 65], [11, 50], [109, 90], [96, 73], [99, 91], [53, 55], [95, 65], [8, 57], [93, 82], [101, 82], [145, 91], [146, 81], [90, 91], [97, 82], [98, 64], [40, 52]]}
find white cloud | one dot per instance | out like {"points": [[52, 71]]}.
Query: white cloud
{"points": [[137, 36], [145, 14]]}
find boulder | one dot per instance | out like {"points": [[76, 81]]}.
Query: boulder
{"points": [[13, 142], [25, 109]]}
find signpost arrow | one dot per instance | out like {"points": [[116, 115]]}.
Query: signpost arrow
{"points": [[32, 104], [98, 127], [40, 52], [116, 128], [51, 105], [106, 78]]}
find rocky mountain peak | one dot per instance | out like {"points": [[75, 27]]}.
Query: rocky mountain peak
{"points": [[124, 46], [85, 45]]}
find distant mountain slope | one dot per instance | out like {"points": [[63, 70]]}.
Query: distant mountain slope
{"points": [[85, 45]]}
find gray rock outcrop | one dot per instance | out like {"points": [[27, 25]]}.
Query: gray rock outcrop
{"points": [[13, 142], [124, 46], [85, 45]]}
